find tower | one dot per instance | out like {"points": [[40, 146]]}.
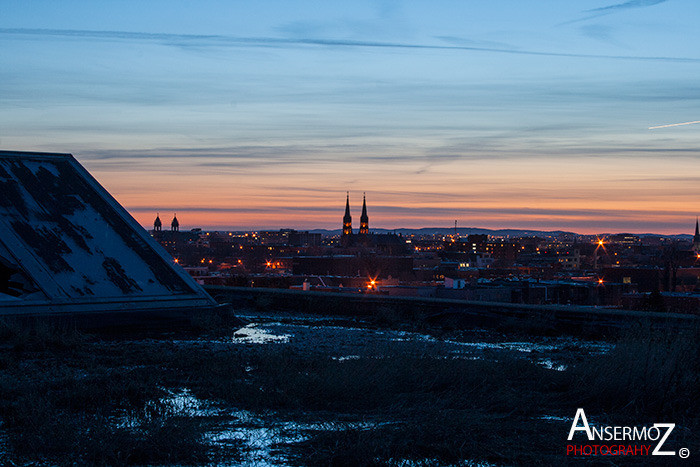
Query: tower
{"points": [[364, 219], [347, 219], [157, 224], [175, 225], [696, 237]]}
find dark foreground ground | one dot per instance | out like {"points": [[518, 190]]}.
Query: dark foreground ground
{"points": [[289, 389]]}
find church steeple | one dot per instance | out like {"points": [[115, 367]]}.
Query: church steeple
{"points": [[696, 237], [157, 224], [347, 219], [175, 225], [364, 218]]}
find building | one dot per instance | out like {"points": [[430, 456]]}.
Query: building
{"points": [[347, 220], [364, 218], [67, 246]]}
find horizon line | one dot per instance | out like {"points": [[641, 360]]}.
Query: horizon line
{"points": [[274, 229]]}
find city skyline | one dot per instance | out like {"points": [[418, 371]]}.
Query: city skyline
{"points": [[253, 116], [362, 227]]}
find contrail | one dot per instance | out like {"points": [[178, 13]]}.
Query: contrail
{"points": [[673, 124]]}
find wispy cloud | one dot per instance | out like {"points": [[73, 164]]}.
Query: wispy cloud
{"points": [[203, 40], [601, 33], [625, 6], [426, 211], [462, 41], [606, 10], [678, 179]]}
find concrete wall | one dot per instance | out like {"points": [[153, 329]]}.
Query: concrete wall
{"points": [[566, 319]]}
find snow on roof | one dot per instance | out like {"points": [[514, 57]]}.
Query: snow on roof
{"points": [[67, 245]]}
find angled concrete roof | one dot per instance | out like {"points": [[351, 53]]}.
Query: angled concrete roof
{"points": [[66, 245]]}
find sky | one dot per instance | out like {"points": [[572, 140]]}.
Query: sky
{"points": [[262, 115]]}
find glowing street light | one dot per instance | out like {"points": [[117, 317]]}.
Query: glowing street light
{"points": [[600, 243]]}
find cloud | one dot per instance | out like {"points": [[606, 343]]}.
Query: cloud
{"points": [[606, 10], [601, 33], [438, 212], [461, 41], [203, 40], [625, 6], [693, 180]]}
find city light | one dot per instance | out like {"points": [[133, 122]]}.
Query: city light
{"points": [[600, 243]]}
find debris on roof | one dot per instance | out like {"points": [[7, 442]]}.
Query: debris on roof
{"points": [[67, 246]]}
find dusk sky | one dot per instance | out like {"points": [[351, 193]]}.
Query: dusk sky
{"points": [[252, 115]]}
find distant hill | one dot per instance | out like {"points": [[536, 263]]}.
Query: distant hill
{"points": [[463, 231]]}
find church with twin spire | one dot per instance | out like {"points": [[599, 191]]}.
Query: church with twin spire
{"points": [[388, 243], [347, 219]]}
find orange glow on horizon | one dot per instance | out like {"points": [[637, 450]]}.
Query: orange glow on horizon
{"points": [[537, 194], [267, 220]]}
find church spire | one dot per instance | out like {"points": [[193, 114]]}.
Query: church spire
{"points": [[364, 218], [157, 224], [696, 237], [347, 219], [175, 224]]}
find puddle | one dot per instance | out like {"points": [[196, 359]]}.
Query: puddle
{"points": [[428, 463], [262, 438], [343, 343], [347, 357], [183, 402], [555, 418], [253, 334], [550, 365]]}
